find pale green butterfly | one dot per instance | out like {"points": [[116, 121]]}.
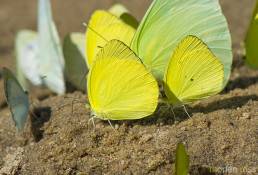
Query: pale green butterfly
{"points": [[74, 54], [16, 98], [167, 22], [42, 56]]}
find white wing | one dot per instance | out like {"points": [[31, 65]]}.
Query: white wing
{"points": [[50, 51], [26, 55]]}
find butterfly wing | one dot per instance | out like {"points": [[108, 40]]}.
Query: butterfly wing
{"points": [[50, 50], [26, 48], [75, 65], [17, 99], [252, 41], [167, 22], [103, 27], [118, 10], [119, 85], [193, 72], [123, 13]]}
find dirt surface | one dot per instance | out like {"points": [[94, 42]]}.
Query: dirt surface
{"points": [[221, 135]]}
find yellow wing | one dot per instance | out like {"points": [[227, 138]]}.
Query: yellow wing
{"points": [[119, 85], [193, 72], [103, 27]]}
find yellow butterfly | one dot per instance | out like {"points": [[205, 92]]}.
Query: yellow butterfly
{"points": [[103, 27], [119, 86], [193, 73]]}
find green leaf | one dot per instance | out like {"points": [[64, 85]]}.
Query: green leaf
{"points": [[251, 41], [182, 160]]}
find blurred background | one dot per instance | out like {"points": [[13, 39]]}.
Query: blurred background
{"points": [[69, 16]]}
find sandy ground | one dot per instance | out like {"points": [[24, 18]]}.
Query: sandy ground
{"points": [[221, 135]]}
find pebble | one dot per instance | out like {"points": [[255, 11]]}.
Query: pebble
{"points": [[245, 115], [116, 126], [183, 128], [146, 138]]}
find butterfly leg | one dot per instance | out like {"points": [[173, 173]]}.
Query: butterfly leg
{"points": [[92, 120], [172, 110], [111, 124], [161, 110], [186, 111]]}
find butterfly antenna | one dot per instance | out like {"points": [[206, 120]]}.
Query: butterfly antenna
{"points": [[97, 33]]}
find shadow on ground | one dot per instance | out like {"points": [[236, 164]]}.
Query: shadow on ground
{"points": [[39, 116]]}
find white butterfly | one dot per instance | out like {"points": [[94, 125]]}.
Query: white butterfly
{"points": [[39, 55]]}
